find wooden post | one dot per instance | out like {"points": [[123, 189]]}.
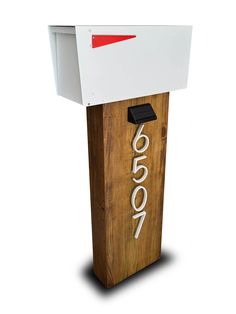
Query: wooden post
{"points": [[117, 253]]}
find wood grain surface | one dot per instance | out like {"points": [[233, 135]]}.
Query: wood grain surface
{"points": [[116, 253]]}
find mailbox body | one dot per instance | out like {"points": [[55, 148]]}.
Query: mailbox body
{"points": [[154, 60]]}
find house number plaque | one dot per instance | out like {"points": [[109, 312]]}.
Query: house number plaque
{"points": [[140, 213]]}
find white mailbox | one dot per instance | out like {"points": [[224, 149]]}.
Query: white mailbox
{"points": [[102, 64]]}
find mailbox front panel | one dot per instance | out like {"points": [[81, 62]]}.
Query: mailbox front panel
{"points": [[124, 62]]}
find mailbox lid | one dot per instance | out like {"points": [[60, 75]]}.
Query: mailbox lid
{"points": [[148, 60]]}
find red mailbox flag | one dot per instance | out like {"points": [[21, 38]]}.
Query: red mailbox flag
{"points": [[102, 40]]}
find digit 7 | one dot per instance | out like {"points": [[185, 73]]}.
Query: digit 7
{"points": [[142, 216]]}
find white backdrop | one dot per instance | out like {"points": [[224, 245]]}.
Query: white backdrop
{"points": [[45, 230]]}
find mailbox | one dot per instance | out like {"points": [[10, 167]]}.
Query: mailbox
{"points": [[123, 75]]}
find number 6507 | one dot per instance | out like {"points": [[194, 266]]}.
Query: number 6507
{"points": [[136, 167]]}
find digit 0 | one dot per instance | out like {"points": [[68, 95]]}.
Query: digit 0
{"points": [[133, 198]]}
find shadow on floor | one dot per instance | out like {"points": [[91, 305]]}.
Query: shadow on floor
{"points": [[88, 274]]}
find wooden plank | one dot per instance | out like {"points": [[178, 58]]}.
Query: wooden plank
{"points": [[117, 254]]}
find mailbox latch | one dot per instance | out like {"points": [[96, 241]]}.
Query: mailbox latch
{"points": [[141, 114]]}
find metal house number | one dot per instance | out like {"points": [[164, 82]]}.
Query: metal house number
{"points": [[136, 166]]}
